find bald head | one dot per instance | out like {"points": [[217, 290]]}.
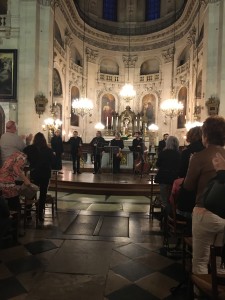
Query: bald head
{"points": [[11, 126]]}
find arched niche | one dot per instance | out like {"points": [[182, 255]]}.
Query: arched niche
{"points": [[109, 66], [183, 57], [76, 57], [150, 66], [182, 97], [58, 35], [198, 88], [75, 94], [108, 104], [148, 108], [57, 84]]}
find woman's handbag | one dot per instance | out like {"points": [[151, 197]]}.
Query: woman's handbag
{"points": [[28, 191], [214, 197]]}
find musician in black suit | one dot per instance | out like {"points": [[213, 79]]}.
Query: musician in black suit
{"points": [[75, 143], [117, 142], [162, 143], [138, 148], [98, 144]]}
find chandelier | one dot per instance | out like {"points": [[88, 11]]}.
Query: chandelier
{"points": [[171, 108], [153, 127], [127, 92], [52, 123], [190, 125], [82, 106]]}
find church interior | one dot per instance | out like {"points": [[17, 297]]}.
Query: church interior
{"points": [[128, 66]]}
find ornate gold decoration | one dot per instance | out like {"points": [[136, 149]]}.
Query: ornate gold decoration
{"points": [[213, 104], [40, 103]]}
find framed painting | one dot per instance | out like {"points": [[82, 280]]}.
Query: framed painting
{"points": [[8, 74]]}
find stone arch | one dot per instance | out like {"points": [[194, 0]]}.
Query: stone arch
{"points": [[182, 97], [109, 66], [184, 56], [58, 35], [76, 56], [57, 83], [150, 66], [75, 94]]}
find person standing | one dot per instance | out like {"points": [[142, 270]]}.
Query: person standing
{"points": [[75, 148], [41, 159], [162, 143], [11, 142], [194, 138], [57, 147], [98, 144], [138, 150], [207, 228], [119, 145], [168, 164]]}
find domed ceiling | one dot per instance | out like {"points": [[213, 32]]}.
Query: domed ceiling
{"points": [[130, 17]]}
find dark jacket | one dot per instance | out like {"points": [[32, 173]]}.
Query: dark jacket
{"points": [[98, 144], [185, 156], [138, 145], [40, 160], [75, 143], [168, 163], [161, 146], [57, 144]]}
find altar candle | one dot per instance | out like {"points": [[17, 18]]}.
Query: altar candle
{"points": [[107, 122], [112, 123], [116, 122]]}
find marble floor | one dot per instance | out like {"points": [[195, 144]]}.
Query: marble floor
{"points": [[94, 249]]}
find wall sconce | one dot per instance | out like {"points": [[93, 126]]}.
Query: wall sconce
{"points": [[40, 103]]}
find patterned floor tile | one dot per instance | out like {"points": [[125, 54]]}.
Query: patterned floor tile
{"points": [[175, 271], [132, 250], [40, 246], [132, 270], [26, 264], [10, 287], [131, 292]]}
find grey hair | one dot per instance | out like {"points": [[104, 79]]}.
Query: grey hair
{"points": [[172, 143]]}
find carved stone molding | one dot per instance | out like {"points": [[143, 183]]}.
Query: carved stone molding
{"points": [[91, 54], [68, 37], [191, 36], [130, 60], [168, 55]]}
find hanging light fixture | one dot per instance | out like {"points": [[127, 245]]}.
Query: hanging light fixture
{"points": [[99, 126], [83, 106], [190, 125], [171, 107], [52, 123], [127, 92]]}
